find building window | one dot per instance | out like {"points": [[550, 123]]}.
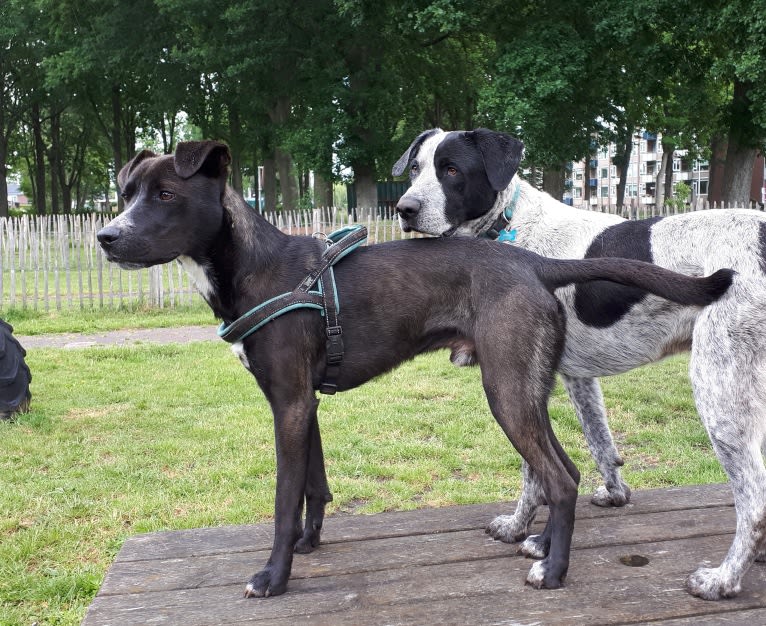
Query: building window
{"points": [[578, 175], [577, 191], [604, 172], [605, 191], [676, 165], [631, 190]]}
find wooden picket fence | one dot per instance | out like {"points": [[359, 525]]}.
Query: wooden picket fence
{"points": [[54, 261]]}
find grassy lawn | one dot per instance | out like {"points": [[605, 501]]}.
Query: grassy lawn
{"points": [[129, 440], [89, 320]]}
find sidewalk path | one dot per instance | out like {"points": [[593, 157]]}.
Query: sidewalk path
{"points": [[181, 334]]}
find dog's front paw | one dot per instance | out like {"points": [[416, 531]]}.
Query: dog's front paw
{"points": [[709, 584], [615, 496], [265, 583], [507, 528], [535, 546], [540, 576]]}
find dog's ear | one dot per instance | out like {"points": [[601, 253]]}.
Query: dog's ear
{"points": [[501, 154], [210, 158], [398, 168], [122, 177]]}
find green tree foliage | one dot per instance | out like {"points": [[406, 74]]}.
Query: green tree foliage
{"points": [[340, 87]]}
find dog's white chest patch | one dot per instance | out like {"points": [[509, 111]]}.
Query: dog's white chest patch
{"points": [[198, 275], [238, 349]]}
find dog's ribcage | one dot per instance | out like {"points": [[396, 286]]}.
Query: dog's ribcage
{"points": [[695, 243]]}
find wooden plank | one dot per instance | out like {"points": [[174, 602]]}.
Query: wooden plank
{"points": [[750, 617], [202, 541], [417, 550], [599, 589]]}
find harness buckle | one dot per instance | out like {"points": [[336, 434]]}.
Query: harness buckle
{"points": [[335, 347]]}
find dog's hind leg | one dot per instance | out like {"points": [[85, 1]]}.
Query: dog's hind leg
{"points": [[728, 373], [519, 404], [588, 402], [317, 490], [537, 546]]}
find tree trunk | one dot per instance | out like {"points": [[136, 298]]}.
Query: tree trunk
{"points": [[364, 183], [235, 146], [622, 161], [716, 169], [660, 192], [553, 182], [54, 161], [37, 131], [236, 171], [741, 151], [288, 182], [269, 185], [669, 192], [738, 174], [322, 191], [256, 186], [116, 140], [3, 178]]}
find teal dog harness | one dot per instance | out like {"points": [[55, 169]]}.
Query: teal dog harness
{"points": [[324, 298]]}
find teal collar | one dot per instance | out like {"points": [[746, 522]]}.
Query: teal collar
{"points": [[500, 229]]}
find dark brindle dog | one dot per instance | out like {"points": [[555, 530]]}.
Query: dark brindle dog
{"points": [[397, 300]]}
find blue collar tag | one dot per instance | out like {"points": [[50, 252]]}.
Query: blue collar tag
{"points": [[507, 236]]}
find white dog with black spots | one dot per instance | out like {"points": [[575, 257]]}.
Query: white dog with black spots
{"points": [[464, 183]]}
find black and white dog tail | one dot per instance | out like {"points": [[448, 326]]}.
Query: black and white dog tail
{"points": [[686, 290]]}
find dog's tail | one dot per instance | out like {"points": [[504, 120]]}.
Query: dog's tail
{"points": [[679, 288]]}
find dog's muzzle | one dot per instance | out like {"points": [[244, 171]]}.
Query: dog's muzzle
{"points": [[407, 209], [109, 239]]}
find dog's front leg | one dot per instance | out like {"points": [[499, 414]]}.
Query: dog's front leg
{"points": [[317, 490], [292, 429], [513, 528], [588, 401]]}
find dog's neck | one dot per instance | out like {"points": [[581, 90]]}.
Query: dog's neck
{"points": [[515, 201], [238, 263]]}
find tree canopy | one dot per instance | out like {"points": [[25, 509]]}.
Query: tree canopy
{"points": [[340, 87]]}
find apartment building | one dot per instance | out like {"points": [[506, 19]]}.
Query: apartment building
{"points": [[593, 182]]}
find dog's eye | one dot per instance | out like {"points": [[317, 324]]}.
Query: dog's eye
{"points": [[167, 195], [124, 195], [451, 171], [414, 168]]}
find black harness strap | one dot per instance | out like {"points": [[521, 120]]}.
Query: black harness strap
{"points": [[326, 300], [334, 344]]}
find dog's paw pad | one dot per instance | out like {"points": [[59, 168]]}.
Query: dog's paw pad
{"points": [[507, 529], [709, 584], [264, 584], [534, 547], [540, 577], [616, 497]]}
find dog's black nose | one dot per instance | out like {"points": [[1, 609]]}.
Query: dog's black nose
{"points": [[407, 207], [108, 235]]}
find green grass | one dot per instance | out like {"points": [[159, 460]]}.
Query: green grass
{"points": [[128, 440], [88, 320]]}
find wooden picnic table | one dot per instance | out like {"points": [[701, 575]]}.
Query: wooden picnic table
{"points": [[437, 566]]}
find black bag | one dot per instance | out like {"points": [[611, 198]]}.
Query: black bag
{"points": [[14, 374]]}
